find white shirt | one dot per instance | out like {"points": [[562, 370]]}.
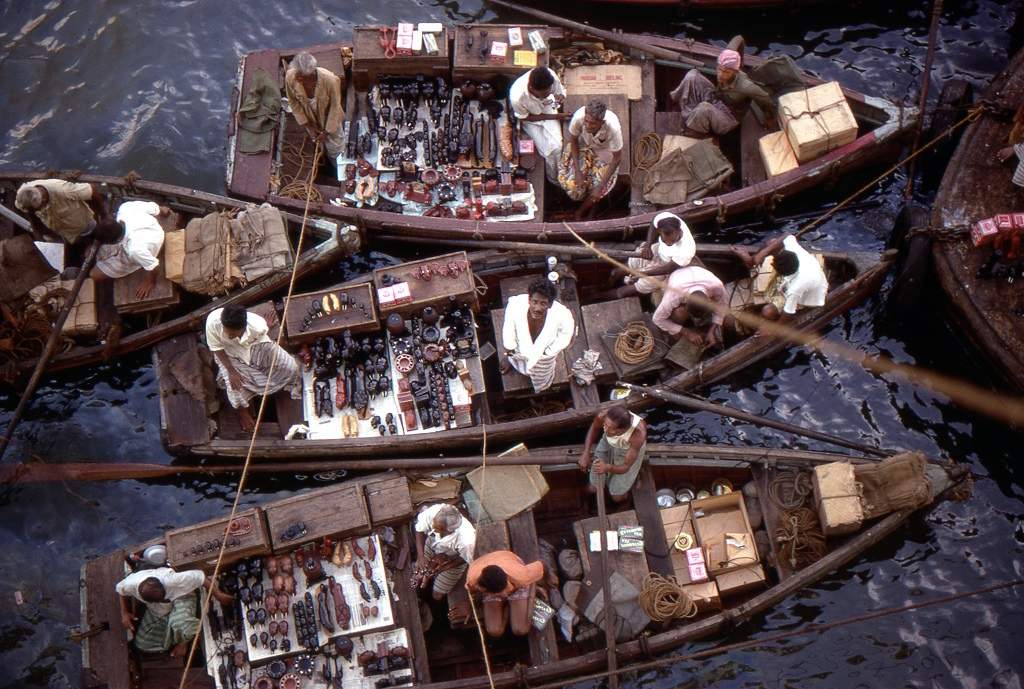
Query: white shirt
{"points": [[524, 103], [557, 333], [461, 541], [176, 585], [680, 253], [143, 236], [216, 339], [608, 139], [808, 285]]}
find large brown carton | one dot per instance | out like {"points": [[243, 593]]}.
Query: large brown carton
{"points": [[777, 153], [817, 120], [837, 498]]}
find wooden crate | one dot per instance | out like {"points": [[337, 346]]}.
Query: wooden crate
{"points": [[713, 519], [164, 293], [434, 292], [777, 153], [188, 547], [358, 320], [368, 58], [388, 498], [336, 511], [468, 63]]}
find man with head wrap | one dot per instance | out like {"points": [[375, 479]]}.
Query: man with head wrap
{"points": [[716, 109]]}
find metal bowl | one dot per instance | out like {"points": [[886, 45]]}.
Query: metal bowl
{"points": [[684, 492], [703, 494], [666, 498], [721, 486]]}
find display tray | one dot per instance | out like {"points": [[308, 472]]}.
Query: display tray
{"points": [[358, 313], [472, 52], [198, 546]]}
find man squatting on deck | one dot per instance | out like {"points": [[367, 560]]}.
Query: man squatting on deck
{"points": [[589, 165], [170, 620], [509, 587], [537, 327], [797, 280], [314, 97], [535, 98], [442, 532], [132, 240], [695, 305], [673, 249], [618, 455], [249, 363]]}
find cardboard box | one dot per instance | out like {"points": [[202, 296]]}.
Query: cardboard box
{"points": [[698, 572], [704, 595], [1018, 221], [777, 153], [1004, 221], [984, 232], [740, 579], [174, 256], [402, 293], [385, 297], [817, 120], [515, 36], [526, 146], [403, 45], [499, 51], [81, 318], [716, 517], [837, 499]]}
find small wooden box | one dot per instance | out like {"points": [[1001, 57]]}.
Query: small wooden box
{"points": [[164, 293], [336, 511], [468, 62], [368, 58], [388, 498], [433, 292], [194, 546], [984, 232], [777, 153], [835, 494], [817, 120], [715, 517], [354, 318]]}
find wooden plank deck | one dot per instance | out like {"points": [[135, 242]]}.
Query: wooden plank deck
{"points": [[190, 425], [632, 566], [612, 317], [251, 172], [648, 514], [642, 119], [523, 533], [107, 650]]}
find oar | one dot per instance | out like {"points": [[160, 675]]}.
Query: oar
{"points": [[925, 84], [51, 345], [722, 410], [15, 218], [606, 590], [609, 36]]}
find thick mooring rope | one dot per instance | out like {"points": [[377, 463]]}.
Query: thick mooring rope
{"points": [[801, 542]]}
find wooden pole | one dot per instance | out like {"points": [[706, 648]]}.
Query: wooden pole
{"points": [[722, 410], [51, 345], [606, 590], [925, 84], [609, 36]]}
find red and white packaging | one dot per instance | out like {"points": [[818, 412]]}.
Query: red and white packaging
{"points": [[386, 297], [1004, 221], [526, 146], [499, 51], [403, 44], [405, 28], [515, 36], [984, 232], [698, 572], [1018, 221], [695, 556], [402, 294]]}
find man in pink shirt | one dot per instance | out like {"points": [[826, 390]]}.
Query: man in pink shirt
{"points": [[694, 295]]}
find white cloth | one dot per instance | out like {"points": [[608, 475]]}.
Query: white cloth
{"points": [[176, 585], [808, 285], [255, 332], [680, 253], [143, 239], [557, 333], [461, 541], [608, 139], [622, 441], [546, 134]]}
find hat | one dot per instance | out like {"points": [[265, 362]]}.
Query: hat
{"points": [[730, 59], [29, 198]]}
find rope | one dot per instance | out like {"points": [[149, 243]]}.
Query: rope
{"points": [[801, 542], [664, 599], [297, 188], [789, 490], [646, 153], [634, 344]]}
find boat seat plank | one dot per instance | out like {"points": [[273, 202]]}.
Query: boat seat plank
{"points": [[523, 532], [582, 395], [252, 171], [407, 609], [630, 565], [183, 418], [514, 383], [229, 423], [751, 165], [289, 411], [641, 121], [603, 322], [648, 514], [107, 650]]}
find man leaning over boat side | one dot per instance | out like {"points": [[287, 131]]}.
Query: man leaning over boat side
{"points": [[619, 453], [695, 306], [132, 240], [535, 98], [537, 327], [797, 281], [170, 621], [589, 165], [249, 363], [715, 109], [55, 207], [445, 536], [314, 96]]}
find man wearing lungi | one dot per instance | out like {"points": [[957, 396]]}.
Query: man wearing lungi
{"points": [[249, 363], [536, 329], [442, 530], [618, 454], [589, 165], [131, 241]]}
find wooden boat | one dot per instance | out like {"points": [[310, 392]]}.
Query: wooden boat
{"points": [[497, 408], [652, 68], [985, 311], [380, 507], [143, 326]]}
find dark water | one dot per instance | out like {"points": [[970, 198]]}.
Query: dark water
{"points": [[112, 87]]}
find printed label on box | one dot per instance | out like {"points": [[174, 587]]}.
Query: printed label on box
{"points": [[984, 232], [498, 51], [542, 613], [631, 531], [404, 43], [595, 541], [1004, 221], [695, 556], [1018, 221], [405, 28], [631, 545], [698, 572], [402, 294], [526, 145], [515, 36], [386, 296]]}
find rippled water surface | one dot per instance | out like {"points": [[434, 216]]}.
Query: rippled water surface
{"points": [[111, 87]]}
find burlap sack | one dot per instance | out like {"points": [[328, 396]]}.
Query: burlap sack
{"points": [[896, 483], [569, 564]]}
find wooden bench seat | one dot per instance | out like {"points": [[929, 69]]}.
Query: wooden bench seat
{"points": [[612, 317], [523, 532]]}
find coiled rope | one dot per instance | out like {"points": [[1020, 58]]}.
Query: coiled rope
{"points": [[646, 153], [298, 187], [801, 542], [789, 490], [664, 599], [635, 343]]}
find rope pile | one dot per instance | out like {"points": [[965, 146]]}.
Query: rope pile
{"points": [[25, 339], [298, 187], [664, 599], [635, 343], [646, 152], [801, 542], [789, 490]]}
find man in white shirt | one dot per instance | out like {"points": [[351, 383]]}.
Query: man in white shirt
{"points": [[535, 98], [537, 328], [132, 240], [673, 249], [589, 165], [249, 363], [798, 279], [442, 531], [170, 620]]}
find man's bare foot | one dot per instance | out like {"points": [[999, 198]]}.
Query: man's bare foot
{"points": [[504, 366], [248, 423]]}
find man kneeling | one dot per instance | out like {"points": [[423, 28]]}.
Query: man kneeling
{"points": [[509, 587], [249, 362]]}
